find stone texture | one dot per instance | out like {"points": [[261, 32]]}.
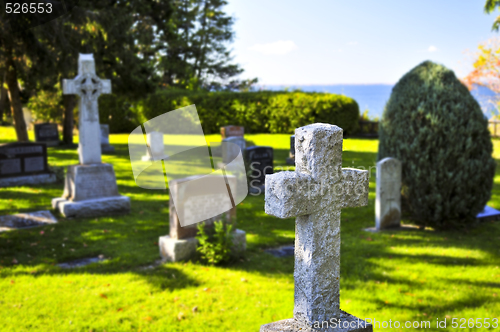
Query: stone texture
{"points": [[90, 189], [260, 159], [315, 193], [81, 262], [28, 180], [174, 246], [388, 194], [239, 241], [232, 131], [155, 147], [105, 147], [216, 204], [231, 147], [174, 250], [25, 220], [89, 182], [92, 207], [47, 133], [292, 325], [24, 164], [88, 86]]}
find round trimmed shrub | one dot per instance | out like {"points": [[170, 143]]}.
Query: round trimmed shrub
{"points": [[434, 126]]}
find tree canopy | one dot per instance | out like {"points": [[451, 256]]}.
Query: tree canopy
{"points": [[142, 45]]}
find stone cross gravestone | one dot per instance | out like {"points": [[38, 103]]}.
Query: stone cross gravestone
{"points": [[315, 194], [105, 147], [47, 134], [88, 86], [260, 161], [231, 147], [388, 190], [181, 243], [24, 164], [155, 147], [291, 159], [232, 131], [90, 188]]}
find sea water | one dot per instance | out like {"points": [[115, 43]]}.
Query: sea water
{"points": [[373, 97]]}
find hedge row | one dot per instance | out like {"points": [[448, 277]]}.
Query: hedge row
{"points": [[258, 112]]}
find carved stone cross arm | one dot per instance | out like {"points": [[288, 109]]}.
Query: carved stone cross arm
{"points": [[319, 181], [290, 194]]}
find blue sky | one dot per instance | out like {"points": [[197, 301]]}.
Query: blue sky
{"points": [[354, 42]]}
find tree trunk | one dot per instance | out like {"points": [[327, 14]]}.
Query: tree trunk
{"points": [[69, 106], [15, 102], [3, 95]]}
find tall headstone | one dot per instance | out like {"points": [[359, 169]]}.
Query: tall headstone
{"points": [[291, 159], [105, 146], [156, 147], [232, 131], [231, 147], [28, 118], [181, 243], [24, 164], [90, 187], [388, 194], [260, 163], [47, 134], [315, 194]]}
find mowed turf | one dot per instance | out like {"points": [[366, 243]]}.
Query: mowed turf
{"points": [[396, 275]]}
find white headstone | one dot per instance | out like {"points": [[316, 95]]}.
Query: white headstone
{"points": [[28, 118], [231, 147], [104, 134], [388, 190], [88, 86], [315, 193]]}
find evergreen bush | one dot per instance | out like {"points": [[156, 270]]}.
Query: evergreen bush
{"points": [[258, 112], [434, 126]]}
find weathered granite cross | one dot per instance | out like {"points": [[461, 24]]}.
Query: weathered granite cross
{"points": [[315, 193], [88, 86]]}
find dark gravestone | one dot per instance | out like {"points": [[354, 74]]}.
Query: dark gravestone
{"points": [[260, 161], [24, 163], [47, 133], [291, 159]]}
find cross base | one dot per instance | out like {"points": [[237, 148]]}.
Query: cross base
{"points": [[346, 323]]}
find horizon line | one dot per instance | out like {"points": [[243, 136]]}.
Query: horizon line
{"points": [[318, 84]]}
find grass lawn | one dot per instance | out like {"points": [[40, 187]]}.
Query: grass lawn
{"points": [[397, 275]]}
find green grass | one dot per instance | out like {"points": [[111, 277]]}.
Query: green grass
{"points": [[397, 275]]}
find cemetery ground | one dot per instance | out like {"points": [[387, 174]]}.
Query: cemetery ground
{"points": [[409, 275]]}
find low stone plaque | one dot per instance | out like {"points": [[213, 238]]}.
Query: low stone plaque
{"points": [[20, 159]]}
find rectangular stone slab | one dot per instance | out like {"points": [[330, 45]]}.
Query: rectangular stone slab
{"points": [[25, 220], [291, 325], [85, 182], [92, 207], [20, 159], [46, 132]]}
